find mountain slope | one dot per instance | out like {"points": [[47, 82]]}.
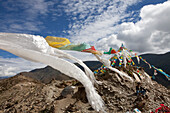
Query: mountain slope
{"points": [[161, 61], [93, 65], [23, 94], [46, 74], [158, 60]]}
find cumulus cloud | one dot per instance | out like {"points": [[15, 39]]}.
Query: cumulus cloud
{"points": [[95, 19], [112, 41], [12, 66], [96, 22], [151, 33], [99, 25]]}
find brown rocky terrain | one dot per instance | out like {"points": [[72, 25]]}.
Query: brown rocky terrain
{"points": [[45, 75], [21, 94]]}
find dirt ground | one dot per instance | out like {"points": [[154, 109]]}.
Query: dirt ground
{"points": [[21, 94]]}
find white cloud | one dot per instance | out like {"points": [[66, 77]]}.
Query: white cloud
{"points": [[105, 43], [160, 39], [84, 56], [31, 7], [23, 15], [151, 33], [97, 22], [95, 19], [103, 29], [12, 66]]}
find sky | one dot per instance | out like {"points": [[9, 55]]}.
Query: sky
{"points": [[141, 25]]}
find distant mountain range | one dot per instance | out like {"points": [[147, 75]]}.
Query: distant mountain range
{"points": [[46, 74], [158, 60], [3, 77], [162, 61]]}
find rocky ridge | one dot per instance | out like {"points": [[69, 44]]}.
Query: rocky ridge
{"points": [[21, 94]]}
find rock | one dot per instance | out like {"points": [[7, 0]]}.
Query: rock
{"points": [[23, 94], [69, 90]]}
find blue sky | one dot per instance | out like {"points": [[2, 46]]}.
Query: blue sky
{"points": [[142, 25]]}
